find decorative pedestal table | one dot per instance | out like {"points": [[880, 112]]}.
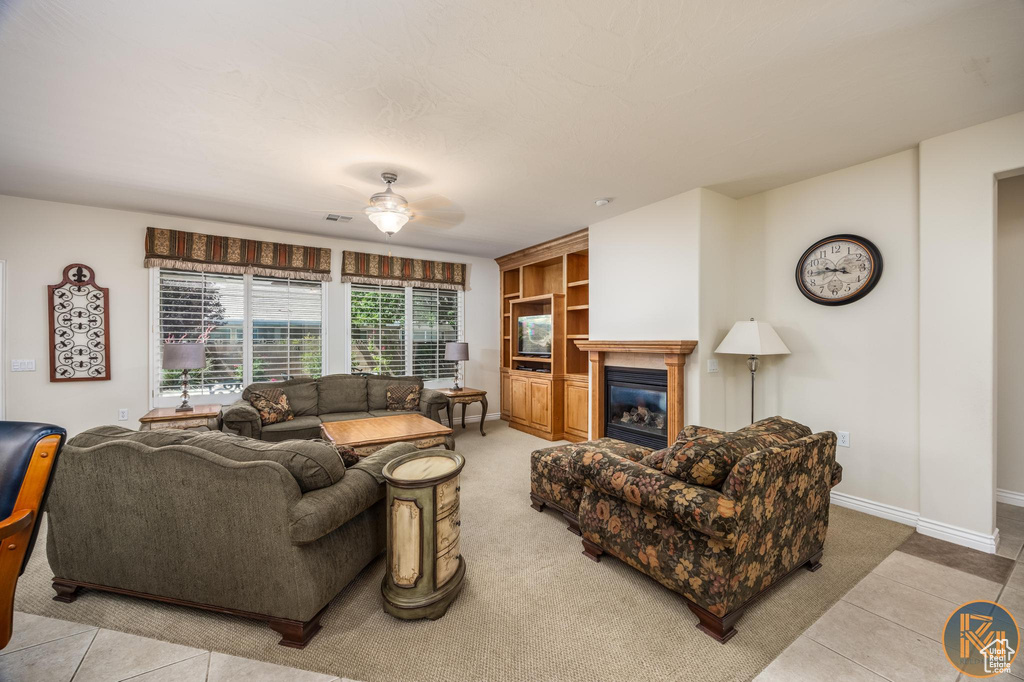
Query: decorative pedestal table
{"points": [[169, 418], [425, 570], [464, 396]]}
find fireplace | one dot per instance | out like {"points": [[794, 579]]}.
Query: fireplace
{"points": [[636, 405]]}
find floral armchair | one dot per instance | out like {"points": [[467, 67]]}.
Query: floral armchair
{"points": [[718, 548]]}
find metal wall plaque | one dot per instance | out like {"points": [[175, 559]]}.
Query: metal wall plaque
{"points": [[79, 327]]}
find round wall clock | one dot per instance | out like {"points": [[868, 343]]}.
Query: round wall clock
{"points": [[839, 269]]}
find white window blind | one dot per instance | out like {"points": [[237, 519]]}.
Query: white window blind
{"points": [[378, 329], [435, 322], [287, 338], [209, 308]]}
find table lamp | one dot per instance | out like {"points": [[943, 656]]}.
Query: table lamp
{"points": [[457, 351], [184, 356], [752, 339]]}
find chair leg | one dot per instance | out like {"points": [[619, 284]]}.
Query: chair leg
{"points": [[537, 502], [720, 628], [66, 592], [574, 524], [814, 563], [592, 551], [296, 634]]}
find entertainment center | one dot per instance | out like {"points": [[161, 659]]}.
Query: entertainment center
{"points": [[545, 309]]}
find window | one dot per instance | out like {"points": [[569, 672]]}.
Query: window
{"points": [[403, 330], [255, 329]]}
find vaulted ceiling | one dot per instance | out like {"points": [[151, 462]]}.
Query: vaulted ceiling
{"points": [[521, 113]]}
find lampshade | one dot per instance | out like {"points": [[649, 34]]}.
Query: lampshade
{"points": [[184, 355], [456, 350], [752, 338], [388, 222]]}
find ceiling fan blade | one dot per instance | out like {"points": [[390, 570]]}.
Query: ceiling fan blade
{"points": [[434, 204]]}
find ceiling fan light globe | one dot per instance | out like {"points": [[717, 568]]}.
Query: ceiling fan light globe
{"points": [[388, 222]]}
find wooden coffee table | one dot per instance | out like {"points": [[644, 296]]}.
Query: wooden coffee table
{"points": [[367, 436]]}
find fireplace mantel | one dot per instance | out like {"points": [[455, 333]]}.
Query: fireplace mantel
{"points": [[674, 353]]}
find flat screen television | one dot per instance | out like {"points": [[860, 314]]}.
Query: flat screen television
{"points": [[535, 335]]}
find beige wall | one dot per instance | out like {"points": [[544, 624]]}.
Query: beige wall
{"points": [[1010, 336], [38, 239], [854, 367], [957, 351]]}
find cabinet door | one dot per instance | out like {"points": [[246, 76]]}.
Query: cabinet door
{"points": [[577, 406], [506, 394], [520, 400], [540, 404]]}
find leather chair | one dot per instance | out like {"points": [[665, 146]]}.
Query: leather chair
{"points": [[28, 458]]}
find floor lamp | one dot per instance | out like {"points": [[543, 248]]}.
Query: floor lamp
{"points": [[752, 339]]}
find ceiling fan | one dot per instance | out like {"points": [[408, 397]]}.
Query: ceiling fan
{"points": [[390, 211]]}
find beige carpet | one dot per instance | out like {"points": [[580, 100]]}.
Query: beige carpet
{"points": [[533, 608]]}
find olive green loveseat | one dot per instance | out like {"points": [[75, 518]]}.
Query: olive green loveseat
{"points": [[331, 398], [272, 531]]}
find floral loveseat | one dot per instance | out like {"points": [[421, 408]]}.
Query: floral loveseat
{"points": [[716, 517]]}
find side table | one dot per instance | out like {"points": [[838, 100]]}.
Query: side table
{"points": [[425, 569], [168, 418], [464, 396]]}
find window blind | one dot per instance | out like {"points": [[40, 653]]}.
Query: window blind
{"points": [[435, 322], [378, 329], [208, 308], [286, 328]]}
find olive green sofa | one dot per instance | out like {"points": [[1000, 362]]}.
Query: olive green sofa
{"points": [[272, 531], [331, 398]]}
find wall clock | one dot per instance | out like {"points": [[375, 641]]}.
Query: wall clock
{"points": [[839, 269], [79, 327]]}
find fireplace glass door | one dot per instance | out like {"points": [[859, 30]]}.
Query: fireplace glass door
{"points": [[636, 406]]}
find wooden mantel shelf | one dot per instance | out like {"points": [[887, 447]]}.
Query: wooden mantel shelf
{"points": [[678, 347]]}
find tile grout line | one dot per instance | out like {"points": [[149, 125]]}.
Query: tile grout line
{"points": [[49, 641], [837, 653], [82, 659], [937, 564], [161, 667], [888, 620]]}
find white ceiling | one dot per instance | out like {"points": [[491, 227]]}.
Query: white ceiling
{"points": [[521, 112]]}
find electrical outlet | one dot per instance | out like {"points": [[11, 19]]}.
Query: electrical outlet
{"points": [[843, 439], [712, 365], [122, 414]]}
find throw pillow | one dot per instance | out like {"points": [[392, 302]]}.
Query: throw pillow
{"points": [[656, 460], [403, 397], [272, 404]]}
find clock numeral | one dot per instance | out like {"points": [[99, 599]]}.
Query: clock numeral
{"points": [[837, 248]]}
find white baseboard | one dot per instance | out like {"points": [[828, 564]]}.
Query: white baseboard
{"points": [[960, 536], [1010, 497], [885, 511]]}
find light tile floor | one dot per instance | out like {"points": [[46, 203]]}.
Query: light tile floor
{"points": [[888, 627], [50, 650]]}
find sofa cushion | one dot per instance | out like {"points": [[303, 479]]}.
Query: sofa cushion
{"points": [[302, 394], [403, 397], [100, 435], [377, 389], [314, 464], [300, 427], [342, 393], [707, 460], [343, 416], [656, 459], [272, 404]]}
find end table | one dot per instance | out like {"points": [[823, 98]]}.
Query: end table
{"points": [[168, 418], [425, 569], [464, 396]]}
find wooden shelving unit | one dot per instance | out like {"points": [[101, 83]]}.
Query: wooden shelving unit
{"points": [[553, 277]]}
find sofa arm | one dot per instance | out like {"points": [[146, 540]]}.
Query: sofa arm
{"points": [[431, 402], [702, 509], [242, 419]]}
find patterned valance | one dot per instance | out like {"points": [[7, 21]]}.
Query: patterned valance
{"points": [[206, 253], [372, 268]]}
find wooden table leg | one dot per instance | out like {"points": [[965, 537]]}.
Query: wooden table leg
{"points": [[450, 409], [463, 415], [483, 415]]}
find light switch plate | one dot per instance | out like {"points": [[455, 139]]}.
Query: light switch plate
{"points": [[712, 365], [843, 439], [23, 365]]}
